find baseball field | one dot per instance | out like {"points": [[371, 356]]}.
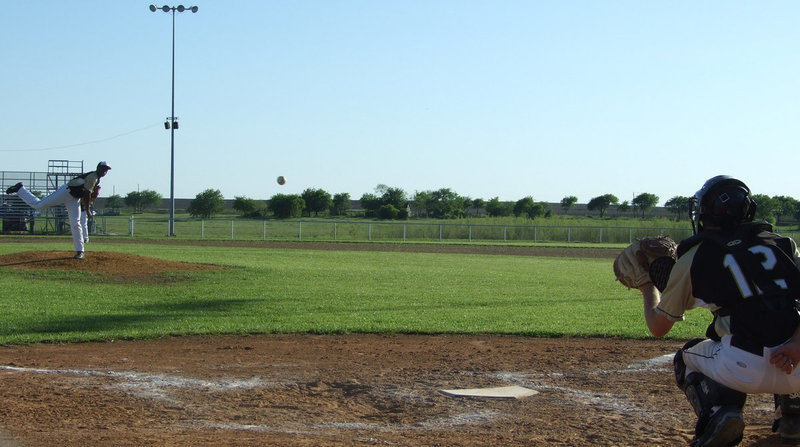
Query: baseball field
{"points": [[301, 344]]}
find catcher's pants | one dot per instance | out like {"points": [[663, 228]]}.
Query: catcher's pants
{"points": [[60, 197], [739, 369]]}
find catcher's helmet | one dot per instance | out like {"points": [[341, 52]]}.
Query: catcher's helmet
{"points": [[722, 202]]}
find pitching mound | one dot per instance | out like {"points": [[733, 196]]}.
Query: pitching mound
{"points": [[107, 266]]}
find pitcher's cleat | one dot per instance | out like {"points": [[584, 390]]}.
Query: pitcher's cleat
{"points": [[13, 189], [79, 255]]}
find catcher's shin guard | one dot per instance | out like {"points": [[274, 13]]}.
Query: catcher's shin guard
{"points": [[718, 409], [680, 365], [787, 417]]}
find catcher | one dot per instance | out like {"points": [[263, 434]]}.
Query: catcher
{"points": [[749, 277]]}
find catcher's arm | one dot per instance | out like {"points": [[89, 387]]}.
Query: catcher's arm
{"points": [[657, 323], [645, 265]]}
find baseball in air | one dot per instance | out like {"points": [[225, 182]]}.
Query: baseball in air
{"points": [[281, 180]]}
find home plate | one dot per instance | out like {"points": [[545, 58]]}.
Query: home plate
{"points": [[503, 392]]}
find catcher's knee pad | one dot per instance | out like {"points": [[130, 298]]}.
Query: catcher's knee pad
{"points": [[705, 394], [680, 365]]}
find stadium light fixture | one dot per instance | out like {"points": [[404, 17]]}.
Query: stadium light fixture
{"points": [[172, 121]]}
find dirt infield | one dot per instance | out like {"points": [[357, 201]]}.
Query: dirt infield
{"points": [[307, 390], [311, 390]]}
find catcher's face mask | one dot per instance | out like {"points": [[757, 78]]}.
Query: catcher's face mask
{"points": [[694, 215]]}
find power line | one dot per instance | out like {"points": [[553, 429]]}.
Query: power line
{"points": [[52, 148]]}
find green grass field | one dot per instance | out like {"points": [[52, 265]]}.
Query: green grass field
{"points": [[308, 291]]}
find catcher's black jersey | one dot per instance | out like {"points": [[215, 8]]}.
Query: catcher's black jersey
{"points": [[750, 280]]}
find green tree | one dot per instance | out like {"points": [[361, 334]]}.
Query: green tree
{"points": [[141, 200], [421, 201], [387, 212], [527, 207], [601, 203], [679, 205], [207, 204], [568, 202], [784, 206], [285, 206], [466, 203], [644, 202], [248, 207], [341, 204], [478, 204], [623, 207], [316, 200], [441, 204], [523, 206], [393, 196], [540, 209], [370, 204], [114, 203], [496, 208], [384, 195], [796, 211], [531, 209], [765, 209]]}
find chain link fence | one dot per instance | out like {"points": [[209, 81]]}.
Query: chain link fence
{"points": [[364, 231]]}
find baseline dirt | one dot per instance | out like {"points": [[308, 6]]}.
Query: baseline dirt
{"points": [[343, 390]]}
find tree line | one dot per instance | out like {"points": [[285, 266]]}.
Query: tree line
{"points": [[391, 203]]}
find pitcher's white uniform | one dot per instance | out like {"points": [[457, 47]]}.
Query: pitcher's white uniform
{"points": [[69, 195], [61, 196]]}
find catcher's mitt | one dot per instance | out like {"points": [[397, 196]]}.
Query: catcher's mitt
{"points": [[647, 260]]}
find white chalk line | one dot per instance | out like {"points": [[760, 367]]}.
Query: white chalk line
{"points": [[475, 417], [618, 403], [650, 365], [157, 386], [155, 380]]}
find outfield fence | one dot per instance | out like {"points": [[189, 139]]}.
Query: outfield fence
{"points": [[362, 231]]}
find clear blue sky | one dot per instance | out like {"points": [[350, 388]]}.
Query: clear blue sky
{"points": [[504, 99]]}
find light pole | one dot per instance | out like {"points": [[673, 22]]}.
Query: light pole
{"points": [[172, 121]]}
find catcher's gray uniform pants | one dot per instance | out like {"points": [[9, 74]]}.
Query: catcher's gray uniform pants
{"points": [[60, 197], [738, 369]]}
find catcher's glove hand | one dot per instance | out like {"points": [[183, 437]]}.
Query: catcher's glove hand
{"points": [[647, 260]]}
